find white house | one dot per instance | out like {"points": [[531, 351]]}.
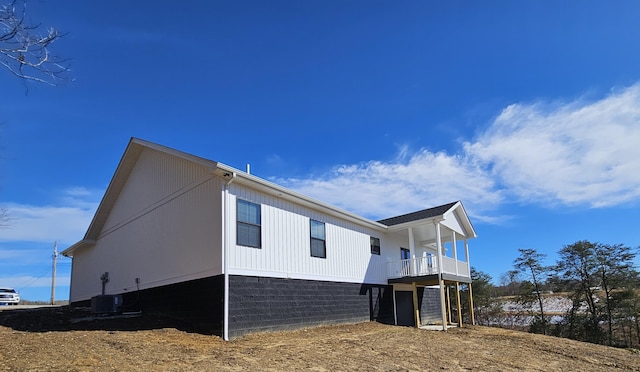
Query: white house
{"points": [[239, 254]]}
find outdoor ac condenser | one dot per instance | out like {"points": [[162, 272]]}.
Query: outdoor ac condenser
{"points": [[106, 304]]}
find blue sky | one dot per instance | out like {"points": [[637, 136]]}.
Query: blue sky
{"points": [[528, 112]]}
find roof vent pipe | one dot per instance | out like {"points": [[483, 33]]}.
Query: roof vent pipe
{"points": [[248, 168]]}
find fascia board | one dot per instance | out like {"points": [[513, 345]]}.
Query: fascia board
{"points": [[210, 164], [85, 243], [464, 217], [415, 223]]}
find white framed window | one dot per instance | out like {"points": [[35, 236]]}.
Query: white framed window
{"points": [[375, 245], [248, 224], [318, 239]]}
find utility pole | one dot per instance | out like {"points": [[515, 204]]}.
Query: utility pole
{"points": [[53, 275]]}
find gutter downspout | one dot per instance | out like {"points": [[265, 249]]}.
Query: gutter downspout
{"points": [[225, 257]]}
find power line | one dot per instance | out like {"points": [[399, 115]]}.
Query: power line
{"points": [[34, 279]]}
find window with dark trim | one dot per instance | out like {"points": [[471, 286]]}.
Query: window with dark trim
{"points": [[375, 245], [318, 240], [405, 254], [248, 224]]}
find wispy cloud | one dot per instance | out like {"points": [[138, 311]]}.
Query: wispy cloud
{"points": [[10, 254], [577, 153], [66, 221], [382, 189], [27, 281]]}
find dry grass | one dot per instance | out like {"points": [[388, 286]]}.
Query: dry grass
{"points": [[359, 347]]}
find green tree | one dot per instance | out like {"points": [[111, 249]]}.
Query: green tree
{"points": [[509, 283], [529, 263], [578, 264], [485, 305], [602, 276], [627, 314], [615, 268]]}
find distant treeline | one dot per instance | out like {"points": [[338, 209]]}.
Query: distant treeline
{"points": [[28, 302], [601, 280]]}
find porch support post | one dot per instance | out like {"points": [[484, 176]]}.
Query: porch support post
{"points": [[439, 255], [416, 311], [448, 303], [458, 304], [443, 306], [395, 312], [473, 318], [466, 255], [412, 252], [455, 252], [438, 246]]}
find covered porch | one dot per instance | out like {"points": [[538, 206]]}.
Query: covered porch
{"points": [[435, 255], [411, 311]]}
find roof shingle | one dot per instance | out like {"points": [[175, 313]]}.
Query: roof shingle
{"points": [[419, 215]]}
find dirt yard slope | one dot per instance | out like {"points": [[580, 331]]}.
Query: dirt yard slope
{"points": [[41, 340]]}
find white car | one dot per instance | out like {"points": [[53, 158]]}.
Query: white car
{"points": [[9, 296]]}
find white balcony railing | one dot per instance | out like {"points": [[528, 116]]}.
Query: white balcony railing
{"points": [[426, 265]]}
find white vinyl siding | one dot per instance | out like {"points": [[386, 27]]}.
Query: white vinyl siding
{"points": [[285, 249], [453, 222], [167, 240], [156, 176]]}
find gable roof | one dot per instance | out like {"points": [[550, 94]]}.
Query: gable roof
{"points": [[419, 215], [127, 162], [136, 146], [451, 215], [131, 156]]}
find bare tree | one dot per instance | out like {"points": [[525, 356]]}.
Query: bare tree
{"points": [[25, 51]]}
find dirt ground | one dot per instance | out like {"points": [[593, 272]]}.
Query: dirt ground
{"points": [[45, 339]]}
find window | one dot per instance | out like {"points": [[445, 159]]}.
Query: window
{"points": [[375, 245], [405, 254], [318, 241], [248, 224]]}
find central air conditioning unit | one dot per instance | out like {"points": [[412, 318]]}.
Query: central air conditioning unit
{"points": [[106, 304]]}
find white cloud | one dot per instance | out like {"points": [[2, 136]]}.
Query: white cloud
{"points": [[425, 179], [579, 153], [12, 257], [45, 223], [26, 281], [65, 223], [576, 153], [9, 254]]}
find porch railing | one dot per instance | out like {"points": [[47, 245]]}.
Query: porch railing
{"points": [[426, 265]]}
